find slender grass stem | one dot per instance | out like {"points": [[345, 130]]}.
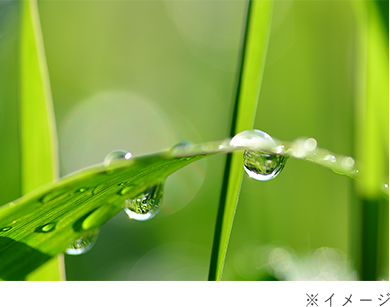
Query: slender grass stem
{"points": [[38, 138], [250, 71]]}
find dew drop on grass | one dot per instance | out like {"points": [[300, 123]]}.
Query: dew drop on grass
{"points": [[145, 205], [5, 229], [126, 190], [385, 188], [46, 228], [117, 154], [260, 165], [52, 195], [83, 244], [263, 166], [183, 143]]}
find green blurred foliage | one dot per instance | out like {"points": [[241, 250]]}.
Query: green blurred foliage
{"points": [[143, 76]]}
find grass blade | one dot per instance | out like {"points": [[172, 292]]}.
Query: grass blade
{"points": [[254, 46], [372, 136], [43, 223], [40, 225], [37, 126]]}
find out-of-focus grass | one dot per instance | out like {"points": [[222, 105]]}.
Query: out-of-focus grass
{"points": [[372, 136]]}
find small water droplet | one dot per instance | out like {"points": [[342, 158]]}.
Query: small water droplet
{"points": [[81, 190], [117, 154], [310, 144], [146, 205], [52, 195], [385, 188], [183, 143], [99, 188], [263, 166], [348, 163], [4, 229], [126, 189], [83, 244], [182, 148], [330, 158], [46, 228]]}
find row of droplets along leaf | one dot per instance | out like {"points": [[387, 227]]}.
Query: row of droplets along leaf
{"points": [[264, 158], [259, 165]]}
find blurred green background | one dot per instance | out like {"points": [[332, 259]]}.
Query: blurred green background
{"points": [[145, 75]]}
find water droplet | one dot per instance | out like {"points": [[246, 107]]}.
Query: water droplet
{"points": [[348, 163], [183, 143], [99, 188], [81, 190], [46, 228], [52, 195], [4, 229], [330, 158], [117, 154], [385, 188], [263, 166], [126, 190], [182, 148], [146, 205], [83, 244], [310, 144], [253, 139]]}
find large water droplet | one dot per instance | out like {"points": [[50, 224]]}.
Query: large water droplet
{"points": [[146, 205], [255, 139], [260, 164], [117, 154], [83, 244], [263, 166]]}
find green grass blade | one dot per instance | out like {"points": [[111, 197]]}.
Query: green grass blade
{"points": [[39, 155], [43, 223], [372, 136], [72, 207], [255, 40]]}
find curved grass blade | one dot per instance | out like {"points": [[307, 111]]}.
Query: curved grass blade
{"points": [[253, 53], [41, 224], [37, 126]]}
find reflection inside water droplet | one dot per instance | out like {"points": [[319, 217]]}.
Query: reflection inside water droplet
{"points": [[260, 164], [146, 205], [263, 166], [117, 154], [83, 244]]}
